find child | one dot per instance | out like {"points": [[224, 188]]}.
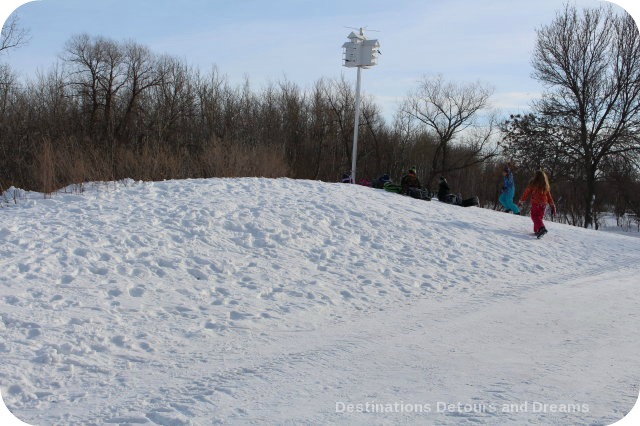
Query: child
{"points": [[508, 191], [443, 190], [410, 181], [540, 193]]}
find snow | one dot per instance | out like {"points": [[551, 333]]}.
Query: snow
{"points": [[272, 301], [626, 225]]}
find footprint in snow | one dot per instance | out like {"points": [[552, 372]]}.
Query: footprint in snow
{"points": [[34, 332], [82, 252], [167, 417], [136, 291], [235, 316], [145, 346], [120, 341], [114, 293], [66, 279], [346, 294], [11, 300], [197, 274], [211, 325], [99, 271]]}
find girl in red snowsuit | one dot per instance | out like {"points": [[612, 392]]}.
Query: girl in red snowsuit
{"points": [[540, 193]]}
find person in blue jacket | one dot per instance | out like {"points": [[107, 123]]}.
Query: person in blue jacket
{"points": [[508, 192]]}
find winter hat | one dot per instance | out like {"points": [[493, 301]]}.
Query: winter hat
{"points": [[413, 170]]}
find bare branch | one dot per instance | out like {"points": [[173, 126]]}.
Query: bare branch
{"points": [[12, 35]]}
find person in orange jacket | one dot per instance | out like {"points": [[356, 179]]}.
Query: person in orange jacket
{"points": [[540, 192]]}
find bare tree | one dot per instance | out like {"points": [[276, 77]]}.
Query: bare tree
{"points": [[141, 75], [173, 100], [98, 68], [590, 62], [112, 78], [448, 109], [85, 63], [534, 142], [340, 98], [7, 92], [12, 35], [7, 83]]}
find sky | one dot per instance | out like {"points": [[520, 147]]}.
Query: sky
{"points": [[266, 41]]}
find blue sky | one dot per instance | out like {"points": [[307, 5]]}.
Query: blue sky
{"points": [[301, 40]]}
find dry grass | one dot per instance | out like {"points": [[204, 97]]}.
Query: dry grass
{"points": [[67, 162]]}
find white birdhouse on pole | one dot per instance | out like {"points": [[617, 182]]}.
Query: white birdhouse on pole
{"points": [[359, 53]]}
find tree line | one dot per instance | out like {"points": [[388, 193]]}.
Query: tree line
{"points": [[110, 110]]}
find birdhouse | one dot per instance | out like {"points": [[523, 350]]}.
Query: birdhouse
{"points": [[360, 52], [351, 52], [369, 52]]}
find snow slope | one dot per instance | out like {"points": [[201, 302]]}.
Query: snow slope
{"points": [[258, 300]]}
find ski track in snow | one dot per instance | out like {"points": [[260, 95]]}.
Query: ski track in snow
{"points": [[260, 300]]}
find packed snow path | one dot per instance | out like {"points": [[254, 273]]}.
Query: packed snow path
{"points": [[261, 300]]}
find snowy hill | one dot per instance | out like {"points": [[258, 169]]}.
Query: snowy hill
{"points": [[259, 300]]}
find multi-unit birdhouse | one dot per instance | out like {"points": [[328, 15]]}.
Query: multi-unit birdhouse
{"points": [[360, 52]]}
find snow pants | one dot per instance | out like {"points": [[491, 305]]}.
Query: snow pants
{"points": [[506, 199], [537, 213]]}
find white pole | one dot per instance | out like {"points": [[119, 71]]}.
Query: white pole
{"points": [[355, 130]]}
